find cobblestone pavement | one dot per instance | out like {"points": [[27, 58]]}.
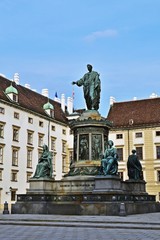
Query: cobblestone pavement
{"points": [[10, 232], [46, 227]]}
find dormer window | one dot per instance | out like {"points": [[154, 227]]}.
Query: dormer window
{"points": [[49, 109], [15, 97], [12, 93]]}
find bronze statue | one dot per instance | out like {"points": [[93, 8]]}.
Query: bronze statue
{"points": [[134, 167], [44, 166], [84, 148], [91, 88], [109, 163]]}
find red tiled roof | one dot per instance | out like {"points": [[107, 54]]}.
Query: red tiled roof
{"points": [[135, 113], [31, 100]]}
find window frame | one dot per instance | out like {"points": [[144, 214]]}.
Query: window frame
{"points": [[15, 136], [119, 136], [14, 176], [2, 129], [2, 110], [157, 152], [30, 137], [15, 156], [1, 153], [16, 115], [29, 157], [118, 149], [138, 135], [139, 153], [40, 140]]}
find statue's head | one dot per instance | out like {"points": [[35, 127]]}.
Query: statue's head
{"points": [[110, 143], [89, 66], [45, 147], [133, 151]]}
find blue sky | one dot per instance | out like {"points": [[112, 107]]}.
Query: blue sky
{"points": [[49, 43]]}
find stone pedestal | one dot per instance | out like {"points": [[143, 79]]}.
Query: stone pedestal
{"points": [[108, 184], [82, 195], [90, 137]]}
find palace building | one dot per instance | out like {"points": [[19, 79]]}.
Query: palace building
{"points": [[27, 121], [136, 125]]}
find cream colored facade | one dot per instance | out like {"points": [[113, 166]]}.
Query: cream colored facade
{"points": [[22, 135], [147, 142]]}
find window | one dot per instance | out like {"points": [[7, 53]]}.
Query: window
{"points": [[29, 175], [53, 144], [40, 123], [2, 110], [14, 157], [64, 131], [71, 132], [40, 140], [16, 115], [30, 120], [1, 174], [1, 130], [1, 154], [158, 152], [120, 154], [14, 176], [64, 168], [13, 195], [15, 134], [63, 147], [119, 136], [29, 157], [52, 113], [53, 128], [30, 138], [139, 153], [138, 134], [15, 97], [157, 133], [158, 175]]}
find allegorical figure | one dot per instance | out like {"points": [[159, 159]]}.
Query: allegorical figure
{"points": [[91, 88], [134, 167], [44, 166], [96, 147], [109, 163], [84, 150]]}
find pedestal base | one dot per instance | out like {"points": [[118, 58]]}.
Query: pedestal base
{"points": [[85, 196]]}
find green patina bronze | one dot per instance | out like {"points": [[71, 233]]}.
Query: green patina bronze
{"points": [[134, 167], [91, 87], [44, 166], [109, 163]]}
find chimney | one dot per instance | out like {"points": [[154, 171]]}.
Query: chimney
{"points": [[153, 95], [135, 98], [112, 101], [27, 86], [16, 78], [45, 92], [63, 102], [70, 105]]}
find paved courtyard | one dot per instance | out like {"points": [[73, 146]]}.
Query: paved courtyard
{"points": [[56, 227]]}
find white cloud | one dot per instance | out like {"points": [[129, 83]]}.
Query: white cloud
{"points": [[101, 34]]}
